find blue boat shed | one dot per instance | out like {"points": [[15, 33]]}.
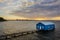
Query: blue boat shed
{"points": [[45, 26]]}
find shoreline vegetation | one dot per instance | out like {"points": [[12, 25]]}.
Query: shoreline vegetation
{"points": [[2, 19]]}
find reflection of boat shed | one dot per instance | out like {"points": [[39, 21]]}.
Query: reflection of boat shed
{"points": [[45, 26]]}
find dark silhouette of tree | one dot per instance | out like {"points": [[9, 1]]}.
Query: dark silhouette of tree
{"points": [[2, 19]]}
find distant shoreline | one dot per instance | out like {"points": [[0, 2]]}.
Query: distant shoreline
{"points": [[30, 20]]}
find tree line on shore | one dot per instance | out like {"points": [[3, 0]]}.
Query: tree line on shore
{"points": [[2, 19]]}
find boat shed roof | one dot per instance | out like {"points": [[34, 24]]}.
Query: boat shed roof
{"points": [[47, 23]]}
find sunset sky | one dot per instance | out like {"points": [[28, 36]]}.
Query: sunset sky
{"points": [[30, 9]]}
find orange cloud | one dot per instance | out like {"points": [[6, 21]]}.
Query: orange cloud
{"points": [[41, 18], [56, 18], [47, 18], [12, 17], [1, 0]]}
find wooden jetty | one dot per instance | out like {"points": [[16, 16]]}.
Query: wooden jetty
{"points": [[9, 36]]}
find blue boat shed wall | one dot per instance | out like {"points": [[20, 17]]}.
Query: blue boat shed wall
{"points": [[45, 26]]}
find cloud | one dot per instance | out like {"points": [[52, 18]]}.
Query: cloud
{"points": [[45, 8], [1, 0], [31, 8]]}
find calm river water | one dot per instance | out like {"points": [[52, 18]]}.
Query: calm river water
{"points": [[8, 27]]}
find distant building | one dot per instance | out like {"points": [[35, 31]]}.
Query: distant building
{"points": [[45, 26]]}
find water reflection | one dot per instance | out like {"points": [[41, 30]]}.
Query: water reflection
{"points": [[46, 35]]}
